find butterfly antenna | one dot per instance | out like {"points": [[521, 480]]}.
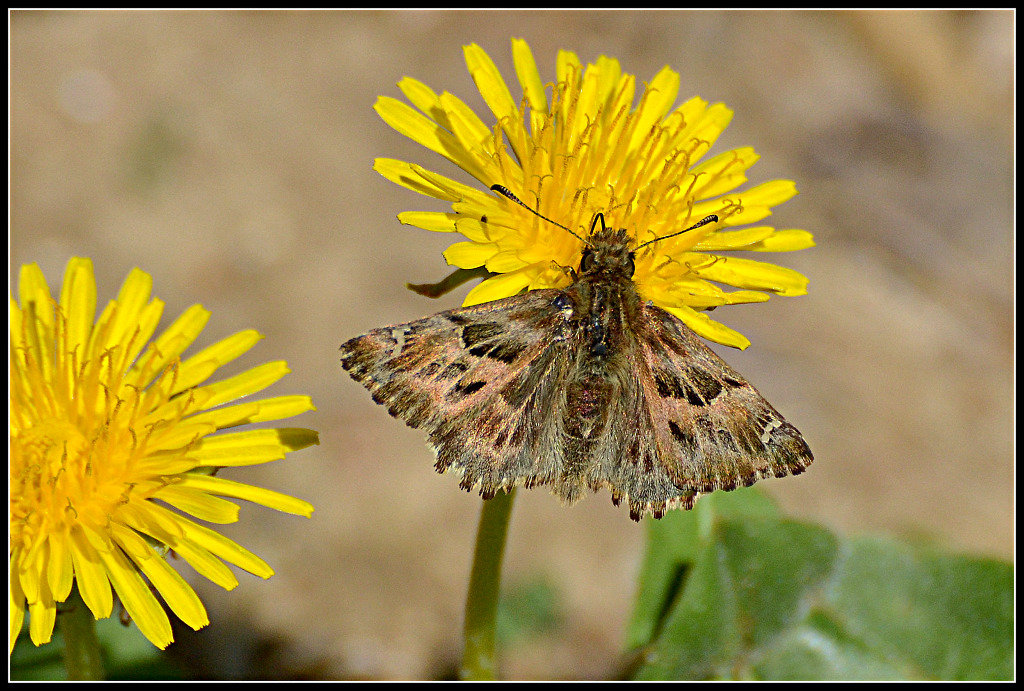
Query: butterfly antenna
{"points": [[712, 218], [506, 192]]}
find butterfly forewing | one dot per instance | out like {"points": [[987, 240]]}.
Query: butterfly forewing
{"points": [[480, 380], [713, 429]]}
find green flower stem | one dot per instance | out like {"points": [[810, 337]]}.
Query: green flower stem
{"points": [[82, 658], [478, 659]]}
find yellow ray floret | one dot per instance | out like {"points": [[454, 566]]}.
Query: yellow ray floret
{"points": [[106, 422]]}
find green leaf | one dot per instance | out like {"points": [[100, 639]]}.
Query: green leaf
{"points": [[673, 546], [732, 590]]}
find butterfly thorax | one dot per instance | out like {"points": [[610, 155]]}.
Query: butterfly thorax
{"points": [[606, 299]]}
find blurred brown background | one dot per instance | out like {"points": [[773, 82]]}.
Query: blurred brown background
{"points": [[229, 155]]}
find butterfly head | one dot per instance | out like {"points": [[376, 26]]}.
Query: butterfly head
{"points": [[607, 250]]}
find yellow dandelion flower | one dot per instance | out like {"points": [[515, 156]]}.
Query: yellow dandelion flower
{"points": [[589, 150], [111, 452]]}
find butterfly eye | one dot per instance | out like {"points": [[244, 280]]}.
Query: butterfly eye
{"points": [[586, 261], [631, 266]]}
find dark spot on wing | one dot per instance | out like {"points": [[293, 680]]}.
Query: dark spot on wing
{"points": [[687, 441], [671, 386], [454, 370], [503, 351], [707, 386], [693, 398], [506, 351], [463, 389], [474, 334], [668, 385]]}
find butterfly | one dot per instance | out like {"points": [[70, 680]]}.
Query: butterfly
{"points": [[578, 389]]}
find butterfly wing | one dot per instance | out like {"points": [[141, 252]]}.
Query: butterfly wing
{"points": [[709, 428], [481, 381], [510, 394]]}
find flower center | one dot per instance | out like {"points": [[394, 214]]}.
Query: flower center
{"points": [[54, 483]]}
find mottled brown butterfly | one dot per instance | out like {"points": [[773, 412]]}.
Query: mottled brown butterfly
{"points": [[578, 389]]}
